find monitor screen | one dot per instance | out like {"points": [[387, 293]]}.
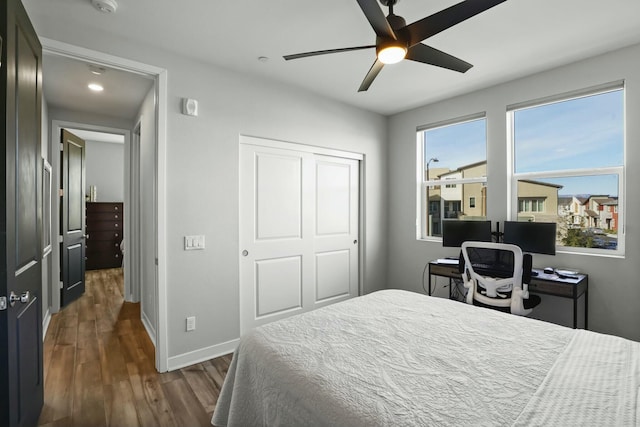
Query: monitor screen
{"points": [[532, 237], [455, 231]]}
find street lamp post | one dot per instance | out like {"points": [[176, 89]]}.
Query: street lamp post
{"points": [[435, 160]]}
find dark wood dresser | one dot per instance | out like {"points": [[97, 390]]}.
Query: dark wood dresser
{"points": [[104, 225]]}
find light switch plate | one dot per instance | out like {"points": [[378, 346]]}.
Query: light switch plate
{"points": [[192, 243]]}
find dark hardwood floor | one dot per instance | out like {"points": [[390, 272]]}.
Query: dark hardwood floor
{"points": [[100, 371]]}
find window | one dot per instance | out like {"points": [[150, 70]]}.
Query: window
{"points": [[567, 167], [455, 152], [530, 205]]}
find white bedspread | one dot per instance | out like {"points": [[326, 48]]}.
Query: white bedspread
{"points": [[397, 358]]}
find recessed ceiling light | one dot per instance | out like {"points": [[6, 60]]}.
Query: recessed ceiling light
{"points": [[106, 6], [96, 87], [263, 58]]}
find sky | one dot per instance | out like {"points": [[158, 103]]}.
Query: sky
{"points": [[581, 134]]}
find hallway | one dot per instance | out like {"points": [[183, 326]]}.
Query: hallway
{"points": [[99, 367]]}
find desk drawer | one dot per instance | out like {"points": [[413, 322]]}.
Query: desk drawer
{"points": [[552, 288], [446, 270]]}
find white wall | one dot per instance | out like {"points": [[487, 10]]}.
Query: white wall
{"points": [[202, 179], [105, 170], [614, 290]]}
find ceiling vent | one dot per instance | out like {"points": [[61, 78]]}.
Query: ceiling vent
{"points": [[106, 6]]}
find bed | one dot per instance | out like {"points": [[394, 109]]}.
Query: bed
{"points": [[398, 358]]}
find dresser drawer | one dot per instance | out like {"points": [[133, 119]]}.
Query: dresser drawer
{"points": [[95, 225], [104, 207], [104, 216], [103, 260], [94, 246], [111, 235]]}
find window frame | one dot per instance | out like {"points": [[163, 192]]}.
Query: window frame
{"points": [[422, 206], [619, 171]]}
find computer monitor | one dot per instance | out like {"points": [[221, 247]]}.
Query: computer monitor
{"points": [[456, 231], [532, 237]]}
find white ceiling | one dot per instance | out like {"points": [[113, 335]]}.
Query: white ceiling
{"points": [[511, 40], [90, 135], [65, 82]]}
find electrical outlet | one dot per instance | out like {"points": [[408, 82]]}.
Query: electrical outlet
{"points": [[191, 323]]}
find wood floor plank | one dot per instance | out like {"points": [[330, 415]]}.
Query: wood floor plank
{"points": [[58, 385], [205, 389], [181, 398], [120, 407], [100, 367], [88, 401]]}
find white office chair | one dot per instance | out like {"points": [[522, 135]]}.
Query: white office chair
{"points": [[496, 275]]}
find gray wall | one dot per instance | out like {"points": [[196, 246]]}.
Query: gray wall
{"points": [[105, 170], [614, 287], [148, 297], [202, 177]]}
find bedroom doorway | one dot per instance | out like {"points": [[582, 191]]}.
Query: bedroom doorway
{"points": [[154, 204], [299, 229]]}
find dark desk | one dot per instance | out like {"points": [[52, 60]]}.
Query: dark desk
{"points": [[547, 284]]}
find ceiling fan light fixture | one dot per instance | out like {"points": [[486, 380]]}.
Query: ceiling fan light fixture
{"points": [[392, 54]]}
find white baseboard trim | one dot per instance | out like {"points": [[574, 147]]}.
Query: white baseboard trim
{"points": [[197, 356], [147, 326], [46, 320]]}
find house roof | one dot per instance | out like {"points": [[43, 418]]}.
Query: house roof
{"points": [[548, 184]]}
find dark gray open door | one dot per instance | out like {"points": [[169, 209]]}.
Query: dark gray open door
{"points": [[73, 217], [21, 377]]}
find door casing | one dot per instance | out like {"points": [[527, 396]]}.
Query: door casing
{"points": [[160, 76]]}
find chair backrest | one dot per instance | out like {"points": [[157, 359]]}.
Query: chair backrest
{"points": [[493, 274]]}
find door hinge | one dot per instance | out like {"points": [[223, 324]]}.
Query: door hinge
{"points": [[61, 146], [61, 285], [61, 192], [3, 303]]}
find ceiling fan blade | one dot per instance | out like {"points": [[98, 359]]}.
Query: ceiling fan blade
{"points": [[433, 24], [428, 55], [325, 52], [371, 75], [376, 18]]}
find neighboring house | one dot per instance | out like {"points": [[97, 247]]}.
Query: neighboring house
{"points": [[595, 211], [602, 212], [538, 201], [465, 200]]}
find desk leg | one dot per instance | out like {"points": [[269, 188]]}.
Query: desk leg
{"points": [[575, 313], [586, 307], [429, 282]]}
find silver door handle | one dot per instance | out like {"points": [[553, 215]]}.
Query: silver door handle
{"points": [[24, 298]]}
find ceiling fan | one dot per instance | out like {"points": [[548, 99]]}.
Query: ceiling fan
{"points": [[395, 40]]}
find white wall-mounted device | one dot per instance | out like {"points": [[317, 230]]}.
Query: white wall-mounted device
{"points": [[190, 107]]}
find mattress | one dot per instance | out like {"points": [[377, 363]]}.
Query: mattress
{"points": [[398, 358]]}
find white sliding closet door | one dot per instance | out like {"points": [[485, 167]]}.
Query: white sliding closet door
{"points": [[298, 231]]}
